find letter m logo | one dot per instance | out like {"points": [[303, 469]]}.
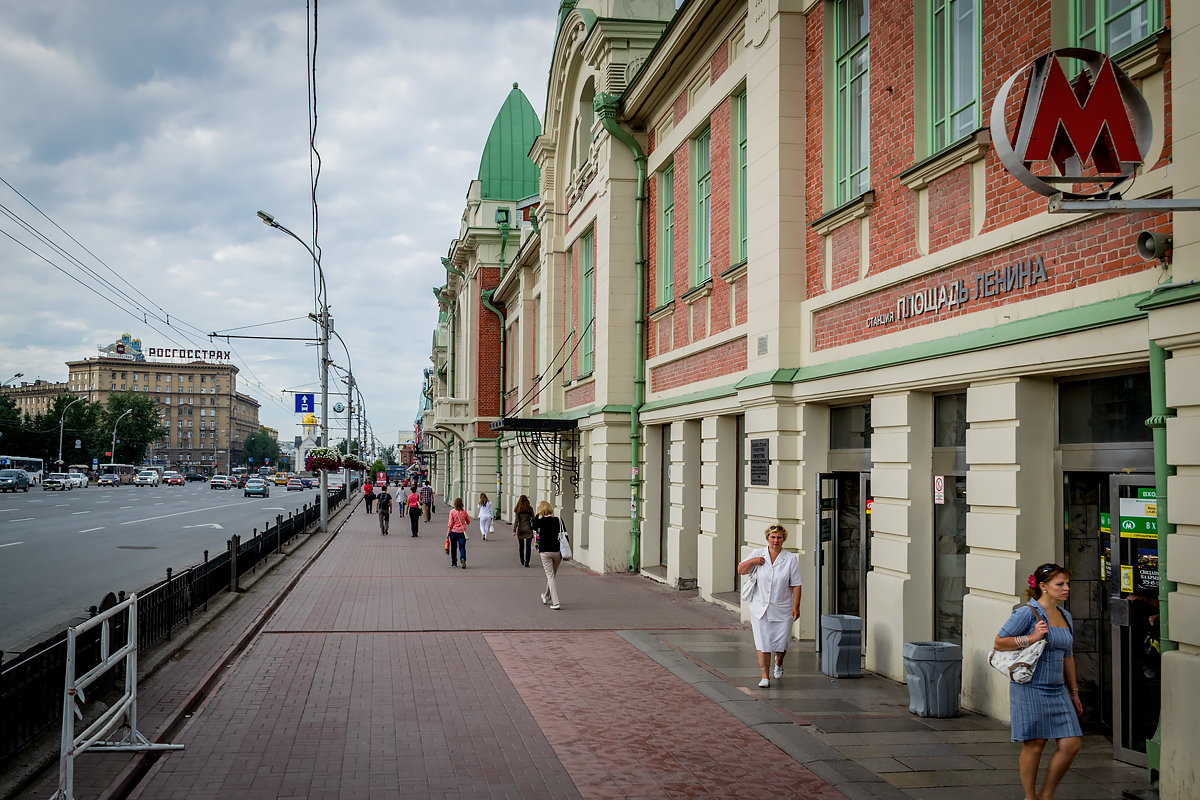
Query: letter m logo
{"points": [[1070, 124]]}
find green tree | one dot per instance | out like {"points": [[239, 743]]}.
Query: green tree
{"points": [[259, 447], [354, 448], [389, 454], [134, 432], [376, 467]]}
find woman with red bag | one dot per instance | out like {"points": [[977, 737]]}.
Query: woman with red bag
{"points": [[457, 531]]}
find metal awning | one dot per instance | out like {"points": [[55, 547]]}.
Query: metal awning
{"points": [[550, 443]]}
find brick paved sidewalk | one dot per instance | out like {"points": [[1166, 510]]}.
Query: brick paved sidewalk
{"points": [[385, 673]]}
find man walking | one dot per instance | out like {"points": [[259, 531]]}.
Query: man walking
{"points": [[385, 511], [369, 494], [426, 495]]}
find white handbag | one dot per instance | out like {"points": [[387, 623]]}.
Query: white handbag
{"points": [[1017, 665], [749, 581], [564, 544]]}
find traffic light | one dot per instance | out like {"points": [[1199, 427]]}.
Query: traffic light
{"points": [[108, 453]]}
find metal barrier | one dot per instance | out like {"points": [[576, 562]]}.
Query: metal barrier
{"points": [[123, 712], [31, 683]]}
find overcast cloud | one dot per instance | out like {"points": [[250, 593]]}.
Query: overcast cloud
{"points": [[152, 132]]}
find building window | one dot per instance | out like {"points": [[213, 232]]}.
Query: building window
{"points": [[953, 70], [666, 250], [852, 134], [850, 427], [1114, 26], [741, 218], [587, 304], [702, 244]]}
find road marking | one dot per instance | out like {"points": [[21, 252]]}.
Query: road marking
{"points": [[179, 513], [22, 519], [125, 507], [206, 525], [10, 544], [61, 505], [73, 513], [89, 530]]}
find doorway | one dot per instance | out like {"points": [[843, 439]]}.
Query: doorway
{"points": [[844, 500]]}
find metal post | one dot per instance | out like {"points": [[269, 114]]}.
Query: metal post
{"points": [[324, 413], [62, 422]]}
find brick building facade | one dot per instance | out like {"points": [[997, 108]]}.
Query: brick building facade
{"points": [[837, 310]]}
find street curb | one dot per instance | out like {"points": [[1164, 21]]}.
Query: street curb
{"points": [[128, 779]]}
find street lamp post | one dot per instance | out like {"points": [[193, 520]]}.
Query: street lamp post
{"points": [[13, 378], [323, 321], [113, 458], [62, 421]]}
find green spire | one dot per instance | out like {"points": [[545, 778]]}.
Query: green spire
{"points": [[505, 169]]}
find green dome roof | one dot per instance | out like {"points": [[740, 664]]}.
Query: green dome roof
{"points": [[505, 169]]}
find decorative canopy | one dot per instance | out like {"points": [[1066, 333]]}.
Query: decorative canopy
{"points": [[505, 169]]}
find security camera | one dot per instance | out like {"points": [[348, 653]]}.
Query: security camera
{"points": [[1152, 245]]}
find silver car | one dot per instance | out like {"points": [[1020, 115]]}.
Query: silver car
{"points": [[78, 480]]}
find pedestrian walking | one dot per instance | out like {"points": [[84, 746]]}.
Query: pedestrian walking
{"points": [[485, 516], [456, 530], [547, 527], [369, 494], [775, 604], [523, 529], [426, 495], [1047, 707], [414, 509], [384, 504]]}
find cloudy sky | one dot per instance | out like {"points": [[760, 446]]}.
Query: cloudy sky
{"points": [[138, 139]]}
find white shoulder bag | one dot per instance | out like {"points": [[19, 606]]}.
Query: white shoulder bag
{"points": [[749, 581]]}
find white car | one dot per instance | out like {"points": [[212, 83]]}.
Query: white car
{"points": [[78, 479], [147, 477]]}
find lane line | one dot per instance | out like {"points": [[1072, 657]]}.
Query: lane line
{"points": [[181, 513], [10, 544], [22, 519], [89, 530], [74, 513]]}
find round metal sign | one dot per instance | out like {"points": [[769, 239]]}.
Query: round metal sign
{"points": [[1099, 118], [338, 407]]}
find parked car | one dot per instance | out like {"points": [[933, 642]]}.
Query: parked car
{"points": [[147, 477], [79, 480], [220, 482], [256, 486], [194, 476], [12, 480], [109, 479], [58, 481], [172, 479], [295, 484]]}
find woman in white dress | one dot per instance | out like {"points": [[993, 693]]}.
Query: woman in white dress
{"points": [[484, 516], [775, 604]]}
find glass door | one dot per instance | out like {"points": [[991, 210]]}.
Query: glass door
{"points": [[844, 514], [1132, 570]]}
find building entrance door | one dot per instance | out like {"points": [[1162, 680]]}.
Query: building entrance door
{"points": [[844, 500], [1132, 582]]}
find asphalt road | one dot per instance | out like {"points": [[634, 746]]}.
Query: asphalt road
{"points": [[61, 552]]}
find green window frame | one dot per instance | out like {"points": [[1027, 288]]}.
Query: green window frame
{"points": [[587, 290], [954, 57], [702, 160], [741, 218], [666, 226], [852, 83], [1115, 26]]}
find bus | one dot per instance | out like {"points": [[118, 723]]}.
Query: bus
{"points": [[123, 471], [33, 466]]}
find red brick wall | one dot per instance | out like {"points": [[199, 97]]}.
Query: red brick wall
{"points": [[814, 145], [680, 250], [950, 209], [1087, 253], [722, 360], [580, 395], [699, 314], [847, 242], [739, 301], [487, 351]]}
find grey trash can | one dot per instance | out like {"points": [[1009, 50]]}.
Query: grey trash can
{"points": [[933, 671], [841, 645]]}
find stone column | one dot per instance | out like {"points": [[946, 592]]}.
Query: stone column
{"points": [[900, 580], [685, 504], [1010, 525], [717, 547]]}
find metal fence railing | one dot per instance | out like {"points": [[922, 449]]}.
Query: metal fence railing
{"points": [[31, 684]]}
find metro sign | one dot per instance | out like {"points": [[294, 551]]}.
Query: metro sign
{"points": [[1099, 119]]}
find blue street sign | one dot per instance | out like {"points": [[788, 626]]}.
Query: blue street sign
{"points": [[305, 403]]}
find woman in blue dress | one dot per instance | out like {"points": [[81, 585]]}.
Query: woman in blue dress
{"points": [[1048, 706]]}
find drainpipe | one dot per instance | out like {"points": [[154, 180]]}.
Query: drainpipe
{"points": [[1162, 471], [486, 297], [453, 322], [606, 106], [460, 469]]}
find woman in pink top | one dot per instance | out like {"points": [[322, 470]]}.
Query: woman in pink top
{"points": [[457, 530]]}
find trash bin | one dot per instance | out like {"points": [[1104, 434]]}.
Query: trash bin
{"points": [[841, 645], [933, 671]]}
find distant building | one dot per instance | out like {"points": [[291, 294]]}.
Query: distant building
{"points": [[34, 398]]}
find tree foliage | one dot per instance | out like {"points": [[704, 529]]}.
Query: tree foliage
{"points": [[92, 424], [260, 446]]}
